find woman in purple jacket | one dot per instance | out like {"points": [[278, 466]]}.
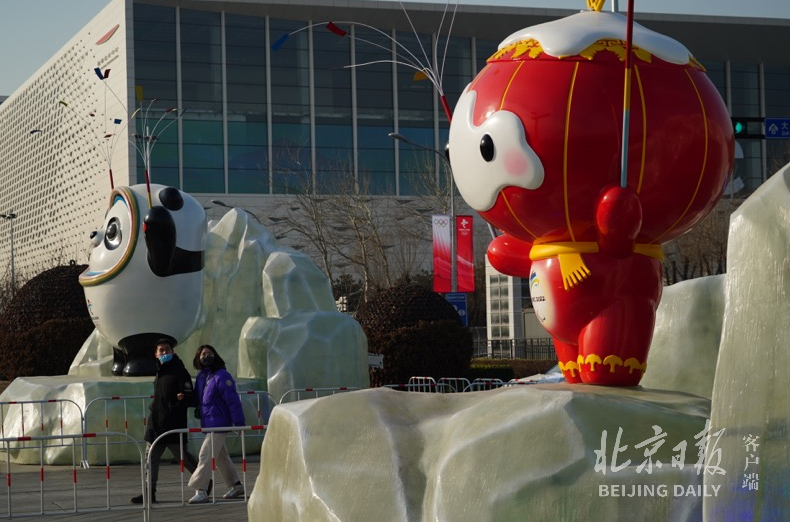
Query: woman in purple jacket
{"points": [[218, 405]]}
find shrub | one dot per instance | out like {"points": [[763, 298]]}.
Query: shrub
{"points": [[44, 325], [507, 369], [418, 332], [428, 349], [45, 350]]}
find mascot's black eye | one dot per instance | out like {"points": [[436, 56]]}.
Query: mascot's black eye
{"points": [[487, 147], [112, 234]]}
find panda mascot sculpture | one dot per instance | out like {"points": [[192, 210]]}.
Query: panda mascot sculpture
{"points": [[144, 281]]}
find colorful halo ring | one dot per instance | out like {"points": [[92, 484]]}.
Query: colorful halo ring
{"points": [[127, 197]]}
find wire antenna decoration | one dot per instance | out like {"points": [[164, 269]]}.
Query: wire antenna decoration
{"points": [[105, 135], [144, 143], [425, 67]]}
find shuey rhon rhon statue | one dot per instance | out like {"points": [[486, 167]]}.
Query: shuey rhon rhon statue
{"points": [[537, 148], [145, 276]]}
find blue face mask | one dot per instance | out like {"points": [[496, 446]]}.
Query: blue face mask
{"points": [[166, 357]]}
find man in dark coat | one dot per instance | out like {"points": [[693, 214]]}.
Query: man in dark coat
{"points": [[173, 393]]}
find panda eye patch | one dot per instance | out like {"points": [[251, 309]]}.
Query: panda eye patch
{"points": [[112, 234]]}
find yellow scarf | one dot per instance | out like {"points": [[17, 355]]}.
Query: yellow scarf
{"points": [[572, 266]]}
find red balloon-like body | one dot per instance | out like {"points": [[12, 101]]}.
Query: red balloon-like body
{"points": [[591, 248]]}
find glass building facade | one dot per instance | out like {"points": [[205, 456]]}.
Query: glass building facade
{"points": [[276, 119]]}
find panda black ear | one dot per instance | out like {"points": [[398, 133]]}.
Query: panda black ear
{"points": [[171, 198]]}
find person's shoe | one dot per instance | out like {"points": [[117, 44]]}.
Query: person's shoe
{"points": [[236, 491], [200, 498], [139, 499]]}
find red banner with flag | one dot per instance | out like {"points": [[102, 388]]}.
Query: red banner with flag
{"points": [[442, 282], [465, 260]]}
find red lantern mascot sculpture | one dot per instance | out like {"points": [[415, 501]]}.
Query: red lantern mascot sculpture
{"points": [[536, 144]]}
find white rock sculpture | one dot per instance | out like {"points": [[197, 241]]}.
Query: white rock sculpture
{"points": [[687, 334], [520, 453], [752, 386]]}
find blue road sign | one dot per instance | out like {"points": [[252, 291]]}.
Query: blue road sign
{"points": [[777, 128], [458, 300]]}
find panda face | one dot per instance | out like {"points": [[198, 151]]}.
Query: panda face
{"points": [[115, 242]]}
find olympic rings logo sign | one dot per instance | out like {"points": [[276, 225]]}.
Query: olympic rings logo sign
{"points": [[441, 221]]}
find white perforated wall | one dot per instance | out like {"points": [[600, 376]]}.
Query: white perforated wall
{"points": [[54, 157]]}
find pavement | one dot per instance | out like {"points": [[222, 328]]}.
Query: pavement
{"points": [[93, 497]]}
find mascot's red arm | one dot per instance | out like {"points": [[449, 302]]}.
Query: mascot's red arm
{"points": [[510, 255]]}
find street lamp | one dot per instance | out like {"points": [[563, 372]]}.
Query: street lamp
{"points": [[10, 217], [453, 261]]}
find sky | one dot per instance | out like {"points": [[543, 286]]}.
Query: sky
{"points": [[32, 31]]}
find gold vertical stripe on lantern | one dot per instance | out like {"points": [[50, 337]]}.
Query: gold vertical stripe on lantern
{"points": [[704, 160]]}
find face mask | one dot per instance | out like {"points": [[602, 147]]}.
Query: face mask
{"points": [[207, 361], [165, 357]]}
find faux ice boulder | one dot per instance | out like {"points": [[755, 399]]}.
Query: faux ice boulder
{"points": [[306, 349], [293, 282], [237, 248], [750, 392], [687, 335], [95, 358], [520, 453]]}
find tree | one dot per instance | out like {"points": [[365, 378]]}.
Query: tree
{"points": [[702, 251], [377, 242], [351, 235]]}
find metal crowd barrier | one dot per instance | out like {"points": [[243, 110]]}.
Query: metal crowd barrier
{"points": [[262, 411], [449, 385], [126, 402], [9, 442], [314, 393], [60, 403], [236, 430], [484, 384], [427, 382], [115, 430], [421, 387], [456, 384]]}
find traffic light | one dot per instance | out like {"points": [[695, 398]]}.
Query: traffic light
{"points": [[748, 128]]}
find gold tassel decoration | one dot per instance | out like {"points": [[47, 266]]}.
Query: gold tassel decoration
{"points": [[595, 5], [573, 270]]}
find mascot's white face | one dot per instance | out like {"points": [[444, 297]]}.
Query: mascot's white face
{"points": [[144, 281], [491, 156]]}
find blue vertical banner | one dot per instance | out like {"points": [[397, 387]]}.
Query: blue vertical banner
{"points": [[458, 300]]}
